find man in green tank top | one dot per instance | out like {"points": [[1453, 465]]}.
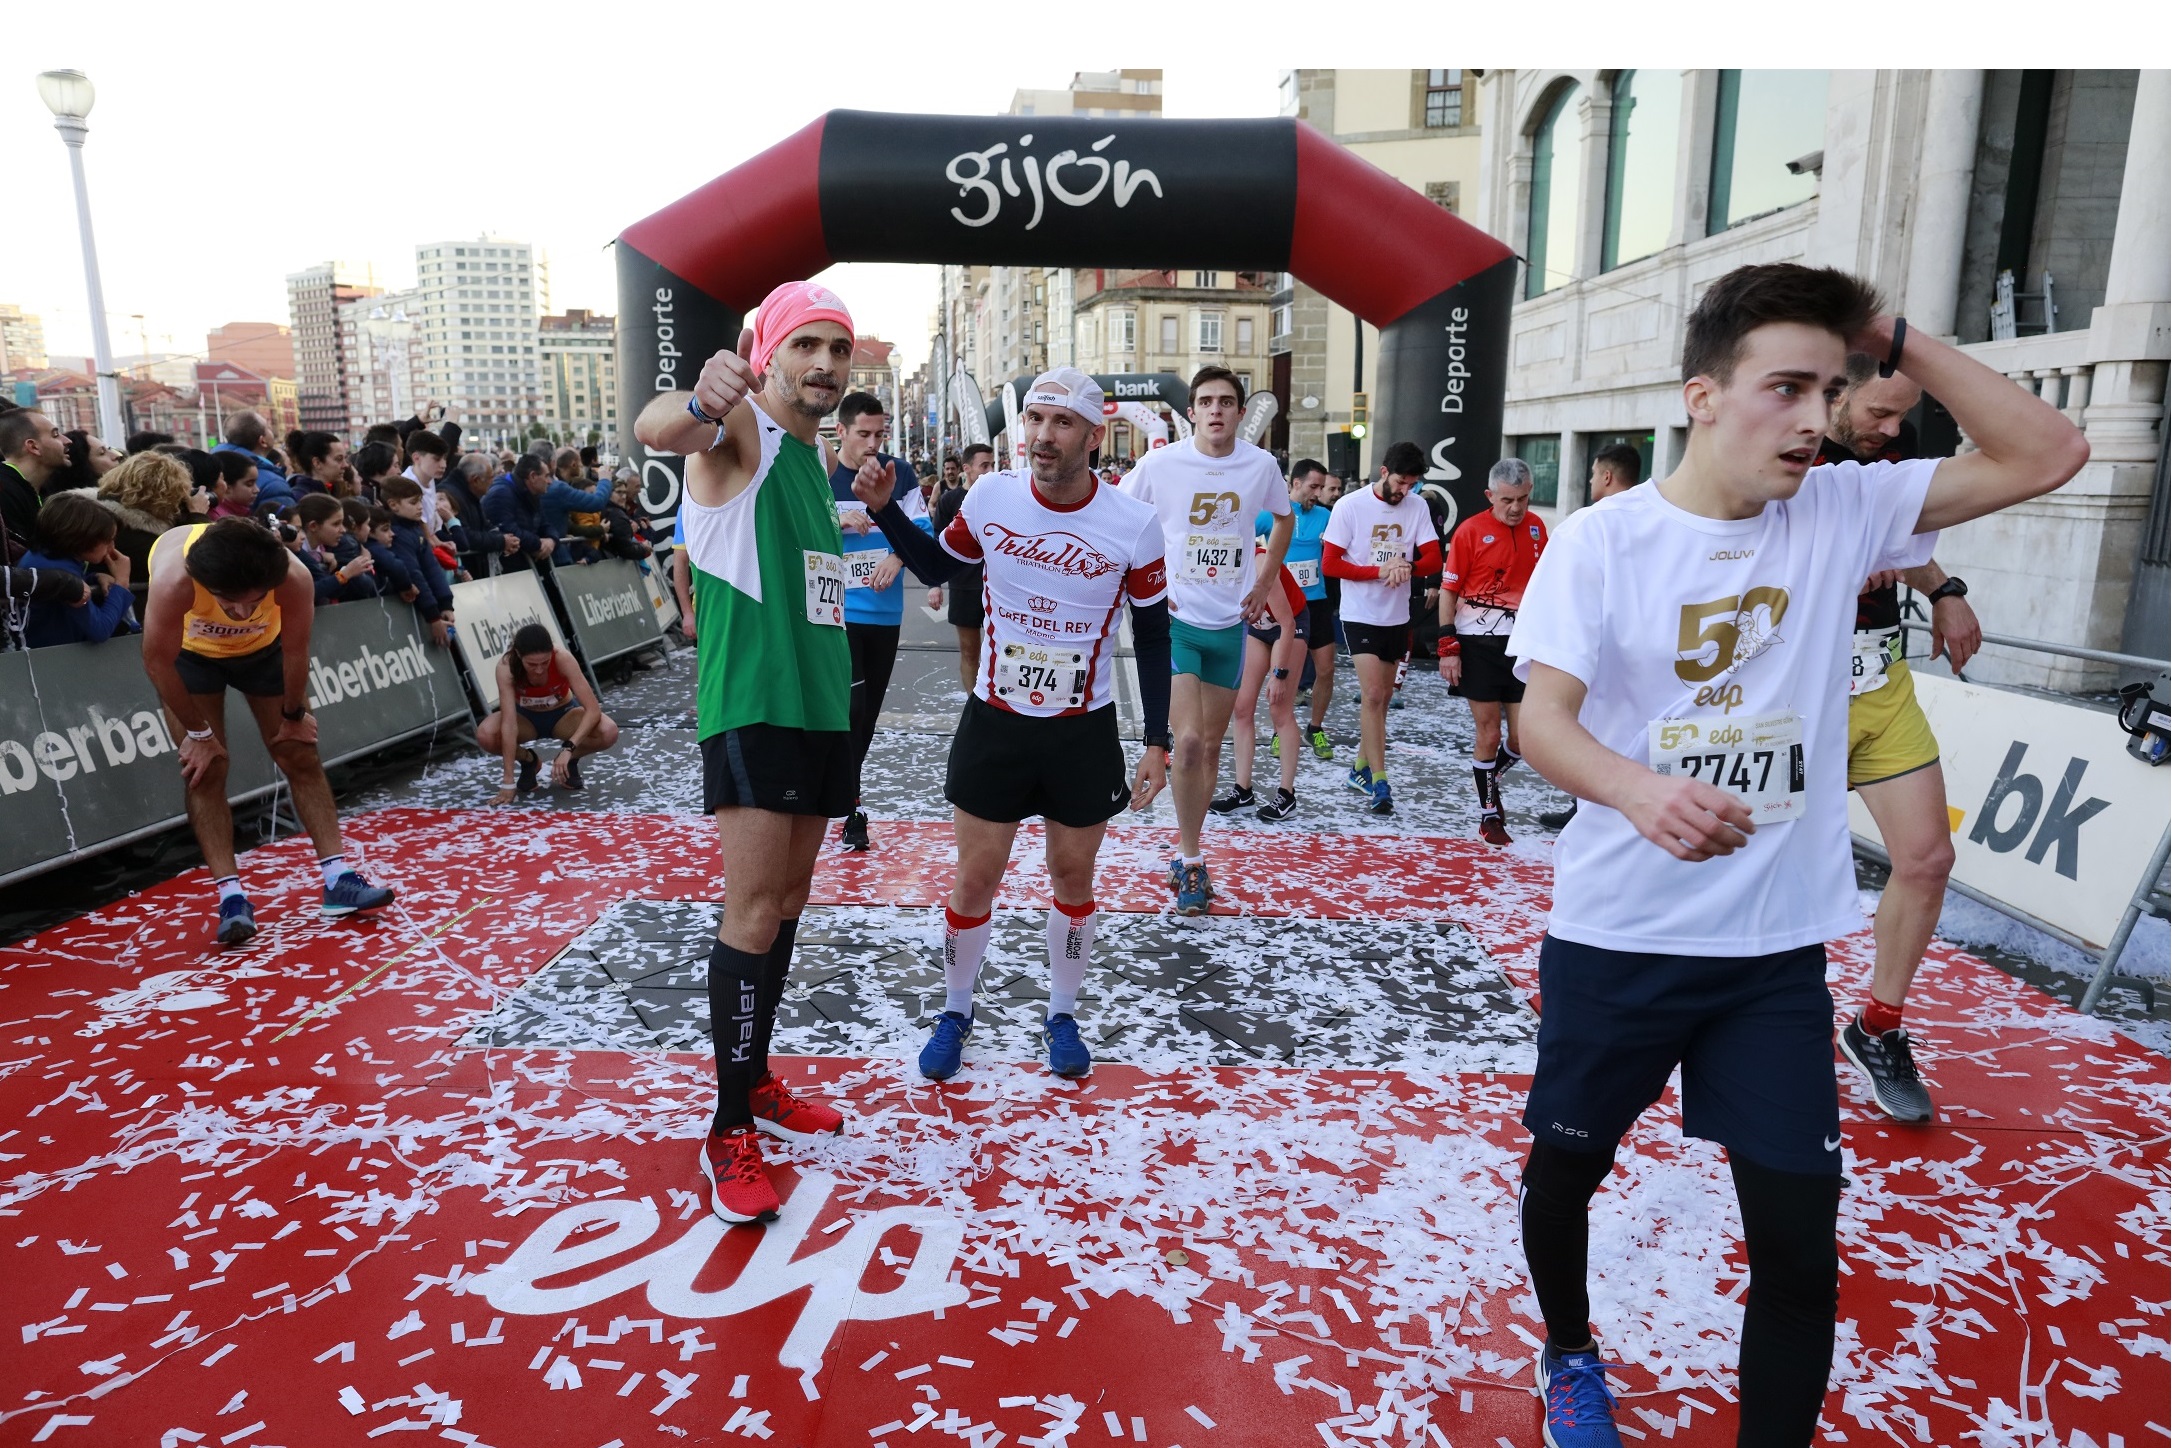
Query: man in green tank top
{"points": [[773, 689]]}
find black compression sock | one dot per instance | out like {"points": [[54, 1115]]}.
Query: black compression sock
{"points": [[777, 966], [1554, 1209], [735, 1001], [1482, 777]]}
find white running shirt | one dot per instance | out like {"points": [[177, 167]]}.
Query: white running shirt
{"points": [[1054, 582], [1371, 532], [1665, 615], [1207, 508]]}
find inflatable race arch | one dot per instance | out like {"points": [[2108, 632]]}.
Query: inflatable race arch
{"points": [[1265, 195]]}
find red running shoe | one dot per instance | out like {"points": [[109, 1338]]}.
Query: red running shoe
{"points": [[781, 1114], [1493, 831], [739, 1189]]}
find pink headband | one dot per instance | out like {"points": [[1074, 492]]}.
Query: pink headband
{"points": [[787, 309]]}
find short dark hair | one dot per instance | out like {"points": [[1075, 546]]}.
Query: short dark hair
{"points": [[17, 428], [233, 466], [234, 556], [1306, 467], [527, 465], [203, 467], [145, 441], [1622, 460], [1861, 367], [357, 511], [856, 406], [376, 459], [378, 517], [975, 449], [1404, 460], [1750, 297], [1215, 372], [422, 440], [384, 432], [246, 430], [70, 524], [589, 456], [318, 508], [396, 490]]}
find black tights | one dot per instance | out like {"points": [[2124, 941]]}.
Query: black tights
{"points": [[874, 655], [744, 993], [1789, 1230]]}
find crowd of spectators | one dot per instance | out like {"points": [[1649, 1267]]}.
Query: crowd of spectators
{"points": [[405, 514]]}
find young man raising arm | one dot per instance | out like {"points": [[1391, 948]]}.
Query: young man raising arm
{"points": [[1686, 649]]}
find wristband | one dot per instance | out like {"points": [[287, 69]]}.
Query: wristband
{"points": [[1891, 364], [1282, 673], [199, 735], [292, 715], [1449, 647], [693, 406]]}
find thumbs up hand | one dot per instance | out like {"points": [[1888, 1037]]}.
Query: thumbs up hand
{"points": [[727, 378]]}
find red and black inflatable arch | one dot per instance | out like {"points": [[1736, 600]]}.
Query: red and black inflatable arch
{"points": [[1272, 195]]}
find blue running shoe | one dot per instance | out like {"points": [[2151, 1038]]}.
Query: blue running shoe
{"points": [[1176, 875], [1194, 891], [945, 1050], [350, 893], [237, 920], [1360, 779], [1383, 802], [1067, 1054], [1579, 1405]]}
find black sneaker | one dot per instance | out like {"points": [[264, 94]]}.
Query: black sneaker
{"points": [[1889, 1065], [573, 771], [1284, 805], [1558, 818], [854, 834], [1238, 797], [529, 764]]}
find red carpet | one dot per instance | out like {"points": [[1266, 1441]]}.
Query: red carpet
{"points": [[264, 1198]]}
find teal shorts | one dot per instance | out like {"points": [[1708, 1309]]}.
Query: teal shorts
{"points": [[1213, 655]]}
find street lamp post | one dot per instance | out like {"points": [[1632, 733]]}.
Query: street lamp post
{"points": [[68, 94]]}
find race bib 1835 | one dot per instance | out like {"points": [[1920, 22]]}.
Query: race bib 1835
{"points": [[1758, 759], [860, 568]]}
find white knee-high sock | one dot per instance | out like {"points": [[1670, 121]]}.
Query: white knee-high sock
{"points": [[965, 942], [1070, 949]]}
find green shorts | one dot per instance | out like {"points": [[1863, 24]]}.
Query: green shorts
{"points": [[1213, 655]]}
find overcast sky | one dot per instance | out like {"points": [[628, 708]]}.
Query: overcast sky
{"points": [[223, 157]]}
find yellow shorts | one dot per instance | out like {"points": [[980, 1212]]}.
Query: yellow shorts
{"points": [[1887, 733]]}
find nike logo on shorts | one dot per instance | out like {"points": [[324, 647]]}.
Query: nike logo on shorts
{"points": [[1832, 1143]]}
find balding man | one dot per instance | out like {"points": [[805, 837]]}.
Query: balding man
{"points": [[247, 432]]}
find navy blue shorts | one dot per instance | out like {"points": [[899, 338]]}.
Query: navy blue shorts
{"points": [[1753, 1035], [545, 721]]}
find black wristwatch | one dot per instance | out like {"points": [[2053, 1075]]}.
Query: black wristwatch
{"points": [[1282, 673], [1159, 741], [1951, 588], [291, 715]]}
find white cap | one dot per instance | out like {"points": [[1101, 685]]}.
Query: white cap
{"points": [[1067, 387]]}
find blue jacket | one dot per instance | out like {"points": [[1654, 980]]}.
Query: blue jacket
{"points": [[328, 585], [271, 484], [413, 551], [89, 623], [511, 508], [868, 605], [561, 498], [393, 579]]}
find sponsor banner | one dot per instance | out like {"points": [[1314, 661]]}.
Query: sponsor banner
{"points": [[1443, 377], [2050, 814], [87, 760], [653, 582], [609, 606], [491, 610]]}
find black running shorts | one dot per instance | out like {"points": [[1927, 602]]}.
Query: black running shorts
{"points": [[962, 599], [261, 675], [1391, 642], [785, 771], [1489, 673], [1272, 634], [1320, 623], [1008, 767]]}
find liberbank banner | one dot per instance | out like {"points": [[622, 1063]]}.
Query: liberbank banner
{"points": [[609, 605], [87, 762], [2050, 814]]}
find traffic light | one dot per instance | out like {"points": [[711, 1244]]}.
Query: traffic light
{"points": [[1360, 413]]}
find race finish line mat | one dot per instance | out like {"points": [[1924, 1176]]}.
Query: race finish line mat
{"points": [[434, 1174]]}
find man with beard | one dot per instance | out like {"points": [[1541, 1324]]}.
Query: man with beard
{"points": [[1062, 551], [1892, 754], [773, 689]]}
